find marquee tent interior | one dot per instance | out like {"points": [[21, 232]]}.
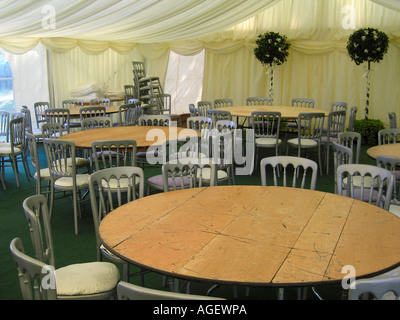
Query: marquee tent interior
{"points": [[201, 50]]}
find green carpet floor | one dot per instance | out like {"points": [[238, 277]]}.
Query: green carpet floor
{"points": [[71, 248]]}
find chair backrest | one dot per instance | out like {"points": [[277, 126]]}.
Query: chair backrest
{"points": [[155, 120], [114, 153], [112, 187], [129, 291], [302, 102], [339, 106], [129, 114], [223, 103], [303, 172], [225, 125], [392, 120], [336, 123], [186, 174], [4, 125], [130, 92], [28, 119], [198, 123], [39, 108], [31, 273], [352, 119], [61, 160], [163, 102], [359, 186], [37, 214], [101, 102], [391, 164], [17, 133], [388, 136], [310, 125], [216, 115], [92, 111], [375, 288], [193, 111], [59, 115], [96, 122], [204, 106], [257, 101], [53, 130], [352, 140], [341, 155], [72, 103], [33, 151], [266, 124]]}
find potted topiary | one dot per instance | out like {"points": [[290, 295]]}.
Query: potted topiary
{"points": [[367, 45], [272, 49]]}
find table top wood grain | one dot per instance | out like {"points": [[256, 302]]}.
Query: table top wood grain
{"points": [[287, 112], [391, 150], [254, 235]]}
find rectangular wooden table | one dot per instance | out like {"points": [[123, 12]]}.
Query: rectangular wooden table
{"points": [[254, 235]]}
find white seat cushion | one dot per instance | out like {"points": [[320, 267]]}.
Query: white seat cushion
{"points": [[305, 143], [267, 142], [5, 149], [66, 182], [86, 278], [206, 174], [113, 183], [44, 174]]}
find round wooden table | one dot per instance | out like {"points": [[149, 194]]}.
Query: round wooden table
{"points": [[253, 235], [287, 112], [391, 150], [145, 136]]}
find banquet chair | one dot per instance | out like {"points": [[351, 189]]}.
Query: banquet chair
{"points": [[39, 108], [257, 101], [376, 288], [89, 280], [289, 171], [352, 140], [114, 153], [302, 102], [130, 291], [15, 150], [392, 120], [221, 154], [110, 188], [61, 161], [223, 103], [336, 123], [392, 164], [193, 111], [92, 111], [309, 129], [341, 155], [378, 193], [388, 136], [41, 175], [4, 126], [339, 106], [163, 102], [28, 123], [70, 104], [266, 126], [96, 122], [155, 120], [129, 92], [199, 123], [352, 119], [203, 107], [101, 102], [183, 174], [129, 114], [60, 115], [216, 115]]}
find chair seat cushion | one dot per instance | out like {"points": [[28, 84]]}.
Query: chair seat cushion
{"points": [[365, 196], [113, 183], [305, 143], [44, 174], [206, 174], [158, 181], [86, 278], [266, 142], [5, 149], [82, 180]]}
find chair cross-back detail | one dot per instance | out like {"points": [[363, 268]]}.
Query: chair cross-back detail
{"points": [[92, 111], [388, 136]]}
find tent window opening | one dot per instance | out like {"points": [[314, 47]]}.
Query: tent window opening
{"points": [[6, 86], [184, 80]]}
